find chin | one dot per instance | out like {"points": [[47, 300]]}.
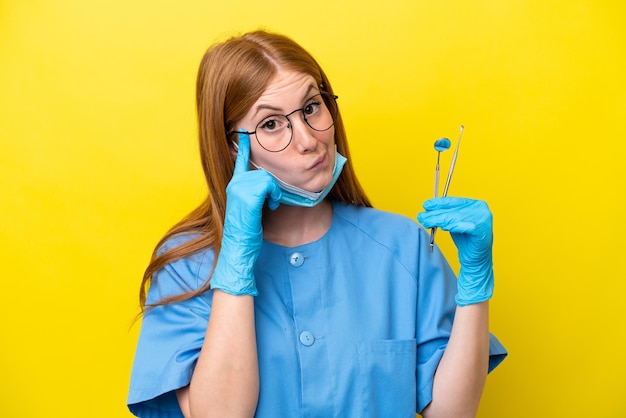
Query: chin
{"points": [[320, 185]]}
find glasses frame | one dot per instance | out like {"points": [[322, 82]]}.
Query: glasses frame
{"points": [[333, 116]]}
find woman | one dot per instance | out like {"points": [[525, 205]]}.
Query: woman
{"points": [[285, 294]]}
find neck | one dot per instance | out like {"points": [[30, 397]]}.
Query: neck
{"points": [[292, 225]]}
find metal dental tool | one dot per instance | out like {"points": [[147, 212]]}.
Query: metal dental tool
{"points": [[441, 145]]}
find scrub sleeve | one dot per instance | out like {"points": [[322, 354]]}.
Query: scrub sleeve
{"points": [[171, 337]]}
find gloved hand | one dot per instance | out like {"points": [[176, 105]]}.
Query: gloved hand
{"points": [[243, 234], [470, 224]]}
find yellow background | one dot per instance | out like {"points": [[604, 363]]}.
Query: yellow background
{"points": [[98, 158]]}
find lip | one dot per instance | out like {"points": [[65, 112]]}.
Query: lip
{"points": [[320, 162]]}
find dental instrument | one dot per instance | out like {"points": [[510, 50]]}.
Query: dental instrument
{"points": [[441, 145]]}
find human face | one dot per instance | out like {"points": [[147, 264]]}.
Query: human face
{"points": [[308, 160]]}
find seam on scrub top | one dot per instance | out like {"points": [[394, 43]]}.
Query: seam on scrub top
{"points": [[395, 256]]}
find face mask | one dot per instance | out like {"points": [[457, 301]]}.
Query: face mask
{"points": [[295, 196]]}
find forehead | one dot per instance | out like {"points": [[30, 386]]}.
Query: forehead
{"points": [[287, 88]]}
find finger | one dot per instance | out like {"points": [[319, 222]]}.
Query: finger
{"points": [[448, 203], [448, 221], [273, 192], [243, 154], [263, 186], [273, 200]]}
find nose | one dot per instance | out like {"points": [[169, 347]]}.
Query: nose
{"points": [[303, 135]]}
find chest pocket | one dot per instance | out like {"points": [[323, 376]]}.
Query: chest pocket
{"points": [[387, 378]]}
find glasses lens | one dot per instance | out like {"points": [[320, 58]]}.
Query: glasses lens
{"points": [[320, 112], [274, 133]]}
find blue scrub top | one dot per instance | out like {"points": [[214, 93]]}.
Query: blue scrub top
{"points": [[351, 325]]}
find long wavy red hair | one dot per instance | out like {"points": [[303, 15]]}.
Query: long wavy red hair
{"points": [[232, 76]]}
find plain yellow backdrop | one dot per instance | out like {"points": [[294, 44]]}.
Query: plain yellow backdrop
{"points": [[98, 158]]}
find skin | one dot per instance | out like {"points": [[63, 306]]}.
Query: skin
{"points": [[462, 371], [226, 380]]}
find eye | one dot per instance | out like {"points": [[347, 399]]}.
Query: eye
{"points": [[273, 124], [269, 124], [312, 107]]}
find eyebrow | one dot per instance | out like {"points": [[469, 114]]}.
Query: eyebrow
{"points": [[276, 109]]}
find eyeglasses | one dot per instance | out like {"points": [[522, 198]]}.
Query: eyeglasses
{"points": [[275, 132]]}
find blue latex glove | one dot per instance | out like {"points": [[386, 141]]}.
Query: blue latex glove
{"points": [[470, 224], [243, 233]]}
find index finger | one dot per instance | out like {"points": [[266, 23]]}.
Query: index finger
{"points": [[448, 202], [243, 153]]}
